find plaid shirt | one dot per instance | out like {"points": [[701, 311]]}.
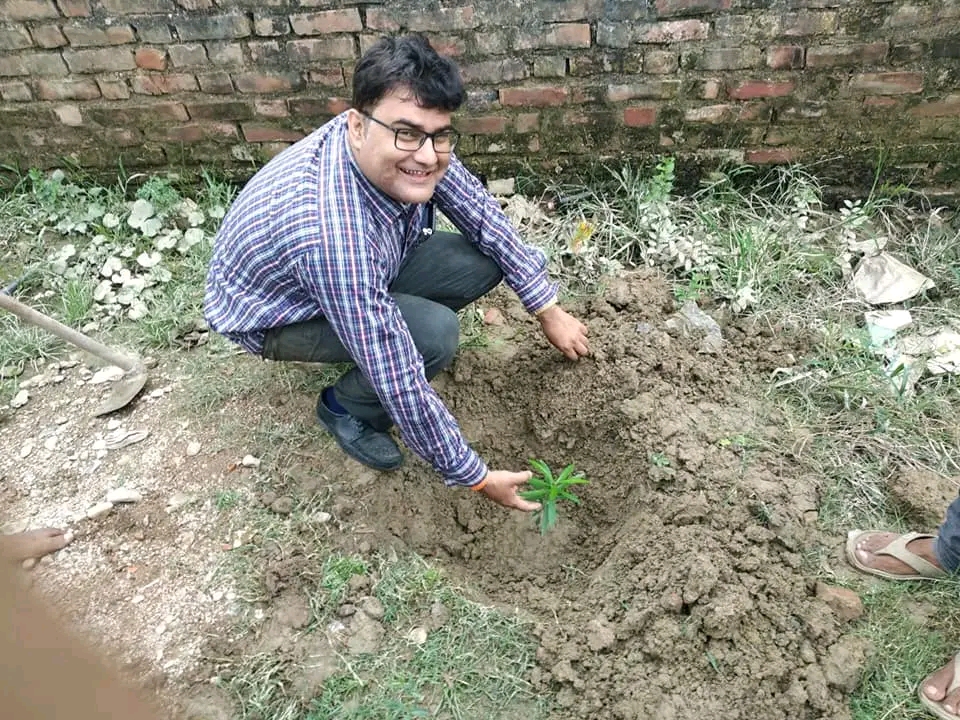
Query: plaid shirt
{"points": [[309, 236]]}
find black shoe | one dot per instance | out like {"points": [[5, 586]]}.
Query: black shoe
{"points": [[360, 441]]}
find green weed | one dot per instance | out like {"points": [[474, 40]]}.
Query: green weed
{"points": [[549, 489]]}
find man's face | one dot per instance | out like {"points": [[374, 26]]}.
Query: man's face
{"points": [[408, 176]]}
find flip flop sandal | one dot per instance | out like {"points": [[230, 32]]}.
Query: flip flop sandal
{"points": [[923, 569], [933, 706]]}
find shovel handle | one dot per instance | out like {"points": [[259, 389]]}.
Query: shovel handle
{"points": [[28, 314]]}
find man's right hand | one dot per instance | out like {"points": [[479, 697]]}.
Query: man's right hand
{"points": [[501, 487]]}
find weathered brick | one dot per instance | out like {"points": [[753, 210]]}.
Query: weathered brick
{"points": [[149, 58], [649, 89], [123, 137], [671, 8], [327, 21], [267, 83], [195, 4], [750, 90], [907, 53], [308, 51], [904, 16], [890, 83], [219, 110], [483, 125], [710, 114], [91, 35], [795, 4], [167, 84], [673, 31], [785, 57], [770, 156], [195, 132], [188, 55], [526, 123], [270, 25], [614, 35], [810, 23], [567, 10], [660, 62], [113, 89], [32, 64], [946, 47], [881, 102], [494, 71], [216, 83], [856, 54], [640, 116], [327, 77], [27, 10], [137, 7], [137, 116], [99, 60], [738, 58], [225, 53], [69, 115], [74, 8], [489, 43], [947, 107], [447, 45], [549, 67], [756, 28], [84, 89], [567, 35], [267, 133], [266, 52], [437, 19], [544, 96], [14, 37], [315, 108], [152, 30], [48, 36], [15, 91], [213, 27], [272, 108], [711, 89]]}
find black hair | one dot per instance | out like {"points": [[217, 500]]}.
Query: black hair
{"points": [[409, 62]]}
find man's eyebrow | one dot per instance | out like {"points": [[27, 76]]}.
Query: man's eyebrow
{"points": [[414, 125]]}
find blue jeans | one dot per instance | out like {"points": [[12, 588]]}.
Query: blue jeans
{"points": [[444, 274], [947, 546]]}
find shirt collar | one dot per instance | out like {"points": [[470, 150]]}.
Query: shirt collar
{"points": [[384, 205]]}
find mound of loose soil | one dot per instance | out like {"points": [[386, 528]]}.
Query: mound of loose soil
{"points": [[676, 590]]}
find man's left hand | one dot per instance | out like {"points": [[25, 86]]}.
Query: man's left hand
{"points": [[565, 332]]}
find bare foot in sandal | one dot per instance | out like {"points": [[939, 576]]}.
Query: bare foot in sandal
{"points": [[33, 544], [894, 556], [936, 693]]}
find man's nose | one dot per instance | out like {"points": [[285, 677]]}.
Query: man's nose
{"points": [[426, 155]]}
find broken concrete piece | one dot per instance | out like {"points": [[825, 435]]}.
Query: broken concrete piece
{"points": [[20, 399], [95, 511], [250, 461], [123, 495], [882, 279], [692, 321]]}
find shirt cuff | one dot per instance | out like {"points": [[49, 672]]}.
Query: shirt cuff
{"points": [[470, 472], [537, 294]]}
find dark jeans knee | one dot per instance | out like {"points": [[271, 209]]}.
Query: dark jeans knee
{"points": [[438, 338]]}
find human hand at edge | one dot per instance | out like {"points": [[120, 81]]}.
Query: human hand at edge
{"points": [[564, 332], [501, 487]]}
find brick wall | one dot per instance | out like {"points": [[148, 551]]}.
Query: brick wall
{"points": [[221, 82]]}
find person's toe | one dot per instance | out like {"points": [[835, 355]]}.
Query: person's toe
{"points": [[936, 688]]}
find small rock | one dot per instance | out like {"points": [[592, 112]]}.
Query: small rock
{"points": [[102, 508], [26, 450], [346, 610], [99, 445], [178, 500], [60, 420], [372, 608], [113, 424], [137, 599], [250, 461], [20, 399], [321, 517], [600, 636], [111, 373], [123, 495], [158, 393], [193, 448], [843, 666], [845, 603], [268, 498], [494, 317], [50, 443], [68, 536], [283, 505], [417, 635]]}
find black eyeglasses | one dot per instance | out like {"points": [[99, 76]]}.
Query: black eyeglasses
{"points": [[411, 139]]}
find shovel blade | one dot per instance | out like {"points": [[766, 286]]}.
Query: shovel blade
{"points": [[125, 390]]}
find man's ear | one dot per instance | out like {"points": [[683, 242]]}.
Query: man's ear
{"points": [[356, 128]]}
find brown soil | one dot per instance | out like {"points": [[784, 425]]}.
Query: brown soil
{"points": [[676, 590]]}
